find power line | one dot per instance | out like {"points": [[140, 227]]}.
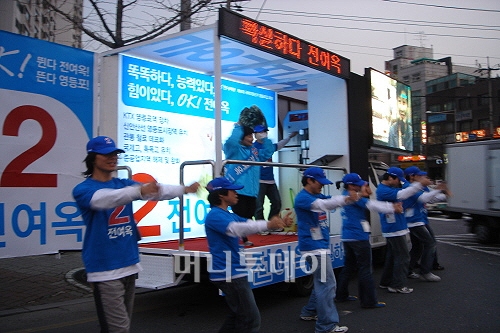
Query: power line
{"points": [[381, 30], [440, 6], [454, 25], [383, 20]]}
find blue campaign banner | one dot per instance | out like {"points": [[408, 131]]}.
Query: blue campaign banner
{"points": [[284, 262], [155, 86], [46, 116], [61, 72]]}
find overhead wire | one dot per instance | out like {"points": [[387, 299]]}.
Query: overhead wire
{"points": [[379, 20], [383, 20], [382, 30], [442, 6]]}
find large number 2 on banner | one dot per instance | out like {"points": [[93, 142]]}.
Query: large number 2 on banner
{"points": [[13, 175], [149, 230]]}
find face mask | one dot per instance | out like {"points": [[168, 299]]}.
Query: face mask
{"points": [[261, 135]]}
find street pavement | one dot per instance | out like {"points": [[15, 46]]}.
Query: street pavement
{"points": [[43, 281], [34, 283]]}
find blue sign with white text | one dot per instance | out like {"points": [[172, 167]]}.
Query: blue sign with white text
{"points": [[61, 72], [161, 87]]}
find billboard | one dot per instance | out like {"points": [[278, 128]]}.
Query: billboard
{"points": [[391, 112], [46, 118], [166, 117]]}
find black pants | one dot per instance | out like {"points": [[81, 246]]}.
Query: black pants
{"points": [[245, 208]]}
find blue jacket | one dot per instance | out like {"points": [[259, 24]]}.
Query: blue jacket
{"points": [[415, 211], [111, 236], [245, 175], [307, 219], [391, 223], [219, 243], [352, 215], [266, 172]]}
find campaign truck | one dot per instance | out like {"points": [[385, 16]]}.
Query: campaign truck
{"points": [[473, 176], [170, 104]]}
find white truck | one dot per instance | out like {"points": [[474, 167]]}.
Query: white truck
{"points": [[170, 103], [473, 176]]}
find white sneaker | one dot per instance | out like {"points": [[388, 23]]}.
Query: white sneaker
{"points": [[338, 328], [430, 277], [402, 290], [309, 318], [414, 275]]}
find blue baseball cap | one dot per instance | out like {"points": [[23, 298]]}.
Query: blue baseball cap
{"points": [[318, 174], [103, 145], [353, 179], [414, 171], [222, 183], [394, 171], [260, 128]]}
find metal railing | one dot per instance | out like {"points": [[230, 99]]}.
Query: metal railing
{"points": [[243, 162], [181, 198]]}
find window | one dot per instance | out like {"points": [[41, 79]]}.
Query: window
{"points": [[449, 127], [434, 108], [415, 77], [464, 126], [21, 8], [482, 99], [464, 104], [483, 123], [448, 106]]}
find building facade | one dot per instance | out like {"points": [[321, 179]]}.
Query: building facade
{"points": [[461, 108], [414, 66], [34, 18]]}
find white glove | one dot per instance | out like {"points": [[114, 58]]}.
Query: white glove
{"points": [[261, 135]]}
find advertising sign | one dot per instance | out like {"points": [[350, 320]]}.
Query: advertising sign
{"points": [[391, 112], [166, 117], [46, 115]]}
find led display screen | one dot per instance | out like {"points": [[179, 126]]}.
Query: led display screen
{"points": [[391, 112], [271, 40]]}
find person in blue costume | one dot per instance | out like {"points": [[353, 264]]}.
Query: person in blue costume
{"points": [[267, 186], [239, 146], [311, 207], [110, 252], [395, 229], [356, 241], [226, 271], [423, 243]]}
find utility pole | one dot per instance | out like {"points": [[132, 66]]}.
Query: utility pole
{"points": [[185, 15], [490, 93]]}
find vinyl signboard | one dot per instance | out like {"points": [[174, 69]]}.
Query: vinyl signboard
{"points": [[46, 118], [165, 118]]}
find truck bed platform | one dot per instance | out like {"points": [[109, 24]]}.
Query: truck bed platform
{"points": [[201, 244]]}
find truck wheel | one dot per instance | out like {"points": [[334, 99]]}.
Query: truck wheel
{"points": [[454, 215], [302, 286], [484, 234]]}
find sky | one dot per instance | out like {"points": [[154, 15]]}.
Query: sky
{"points": [[366, 31]]}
